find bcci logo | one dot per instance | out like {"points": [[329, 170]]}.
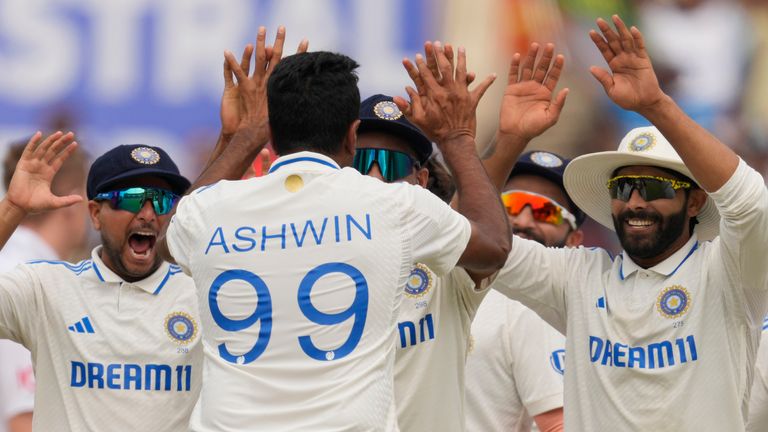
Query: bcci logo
{"points": [[643, 142], [547, 160], [387, 110], [180, 327], [673, 302], [419, 282], [145, 155]]}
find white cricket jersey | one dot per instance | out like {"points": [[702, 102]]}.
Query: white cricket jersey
{"points": [[515, 368], [300, 275], [17, 380], [109, 355], [758, 401], [668, 348], [432, 341]]}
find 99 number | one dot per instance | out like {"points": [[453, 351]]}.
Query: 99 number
{"points": [[358, 310]]}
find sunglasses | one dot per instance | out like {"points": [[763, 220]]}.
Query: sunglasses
{"points": [[650, 187], [393, 165], [133, 199], [543, 208]]}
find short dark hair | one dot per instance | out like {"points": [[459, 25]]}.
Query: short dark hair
{"points": [[313, 99]]}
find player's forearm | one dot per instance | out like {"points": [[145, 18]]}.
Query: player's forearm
{"points": [[221, 144], [478, 200], [10, 218], [501, 158], [235, 158], [710, 161]]}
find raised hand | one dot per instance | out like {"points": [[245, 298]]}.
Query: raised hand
{"points": [[231, 105], [632, 83], [252, 87], [30, 187], [527, 108], [442, 106]]}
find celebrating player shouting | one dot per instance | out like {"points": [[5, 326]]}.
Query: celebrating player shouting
{"points": [[115, 338]]}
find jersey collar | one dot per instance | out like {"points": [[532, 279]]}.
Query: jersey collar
{"points": [[666, 268], [304, 161], [151, 284]]}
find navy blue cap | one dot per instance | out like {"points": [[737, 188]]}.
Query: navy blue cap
{"points": [[133, 160], [551, 167], [379, 113]]}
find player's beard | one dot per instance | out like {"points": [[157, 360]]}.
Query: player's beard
{"points": [[668, 230], [114, 252]]}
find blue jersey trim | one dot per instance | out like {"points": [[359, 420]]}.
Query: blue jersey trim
{"points": [[77, 269], [203, 188], [301, 159], [98, 273], [693, 249], [172, 270]]}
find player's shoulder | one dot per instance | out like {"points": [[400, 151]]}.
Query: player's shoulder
{"points": [[59, 268]]}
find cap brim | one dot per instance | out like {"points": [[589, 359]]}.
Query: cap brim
{"points": [[179, 184], [420, 144], [586, 179]]}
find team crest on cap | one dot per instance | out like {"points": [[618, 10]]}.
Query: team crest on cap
{"points": [[387, 110], [673, 302], [145, 155], [419, 282], [547, 160], [643, 142], [180, 327]]}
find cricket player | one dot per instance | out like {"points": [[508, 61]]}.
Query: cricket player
{"points": [[52, 235], [436, 311], [664, 336], [114, 338], [435, 317], [300, 272], [516, 365]]}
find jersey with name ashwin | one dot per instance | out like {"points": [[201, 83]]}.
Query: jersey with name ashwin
{"points": [[671, 347], [432, 342], [515, 368], [108, 354], [300, 275]]}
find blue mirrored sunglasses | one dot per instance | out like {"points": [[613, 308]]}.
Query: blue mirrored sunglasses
{"points": [[393, 164], [133, 199]]}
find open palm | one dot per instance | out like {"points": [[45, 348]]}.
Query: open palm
{"points": [[527, 107], [30, 187], [632, 83]]}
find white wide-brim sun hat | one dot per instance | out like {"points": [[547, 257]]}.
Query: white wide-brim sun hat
{"points": [[586, 177]]}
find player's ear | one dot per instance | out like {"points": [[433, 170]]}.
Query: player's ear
{"points": [[574, 238], [350, 142], [94, 211], [422, 176]]}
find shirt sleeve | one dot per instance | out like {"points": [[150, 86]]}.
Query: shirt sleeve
{"points": [[18, 305], [438, 233], [535, 276], [537, 354], [182, 230], [743, 206], [17, 381]]}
